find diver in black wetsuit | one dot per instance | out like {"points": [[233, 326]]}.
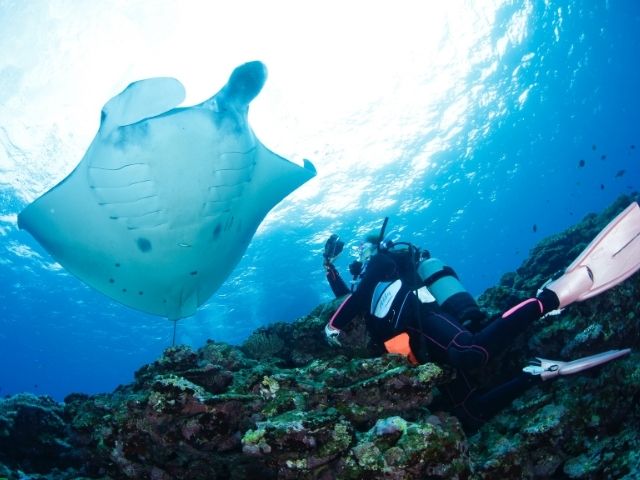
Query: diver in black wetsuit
{"points": [[400, 289]]}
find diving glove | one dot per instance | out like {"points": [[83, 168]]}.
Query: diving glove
{"points": [[332, 334]]}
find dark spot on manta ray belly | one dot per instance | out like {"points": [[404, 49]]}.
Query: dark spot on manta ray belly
{"points": [[216, 231], [143, 244]]}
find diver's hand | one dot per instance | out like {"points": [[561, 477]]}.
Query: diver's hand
{"points": [[332, 334]]}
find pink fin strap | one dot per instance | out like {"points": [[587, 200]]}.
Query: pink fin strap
{"points": [[522, 304]]}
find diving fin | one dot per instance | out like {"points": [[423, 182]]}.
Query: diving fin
{"points": [[610, 258], [552, 368]]}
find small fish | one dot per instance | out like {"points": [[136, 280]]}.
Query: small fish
{"points": [[620, 173], [581, 163], [593, 147], [602, 186], [633, 147], [535, 228], [603, 157]]}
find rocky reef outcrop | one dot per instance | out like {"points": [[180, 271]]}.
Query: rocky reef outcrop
{"points": [[284, 405], [583, 426]]}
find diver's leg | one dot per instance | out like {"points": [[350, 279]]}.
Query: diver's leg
{"points": [[478, 406], [610, 258], [446, 341], [499, 334]]}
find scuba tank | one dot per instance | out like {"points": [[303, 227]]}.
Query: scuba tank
{"points": [[453, 298]]}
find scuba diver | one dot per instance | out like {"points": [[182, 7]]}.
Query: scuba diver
{"points": [[415, 305]]}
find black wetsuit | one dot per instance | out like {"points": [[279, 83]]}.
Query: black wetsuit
{"points": [[338, 287], [438, 336]]}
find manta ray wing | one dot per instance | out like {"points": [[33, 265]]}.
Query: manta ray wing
{"points": [[166, 200]]}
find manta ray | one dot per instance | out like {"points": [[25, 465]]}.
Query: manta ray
{"points": [[166, 200]]}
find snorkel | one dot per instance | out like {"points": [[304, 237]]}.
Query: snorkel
{"points": [[382, 230], [389, 243]]}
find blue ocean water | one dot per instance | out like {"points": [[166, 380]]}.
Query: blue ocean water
{"points": [[539, 126]]}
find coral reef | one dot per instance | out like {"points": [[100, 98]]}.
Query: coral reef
{"points": [[285, 405], [34, 437], [585, 426]]}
